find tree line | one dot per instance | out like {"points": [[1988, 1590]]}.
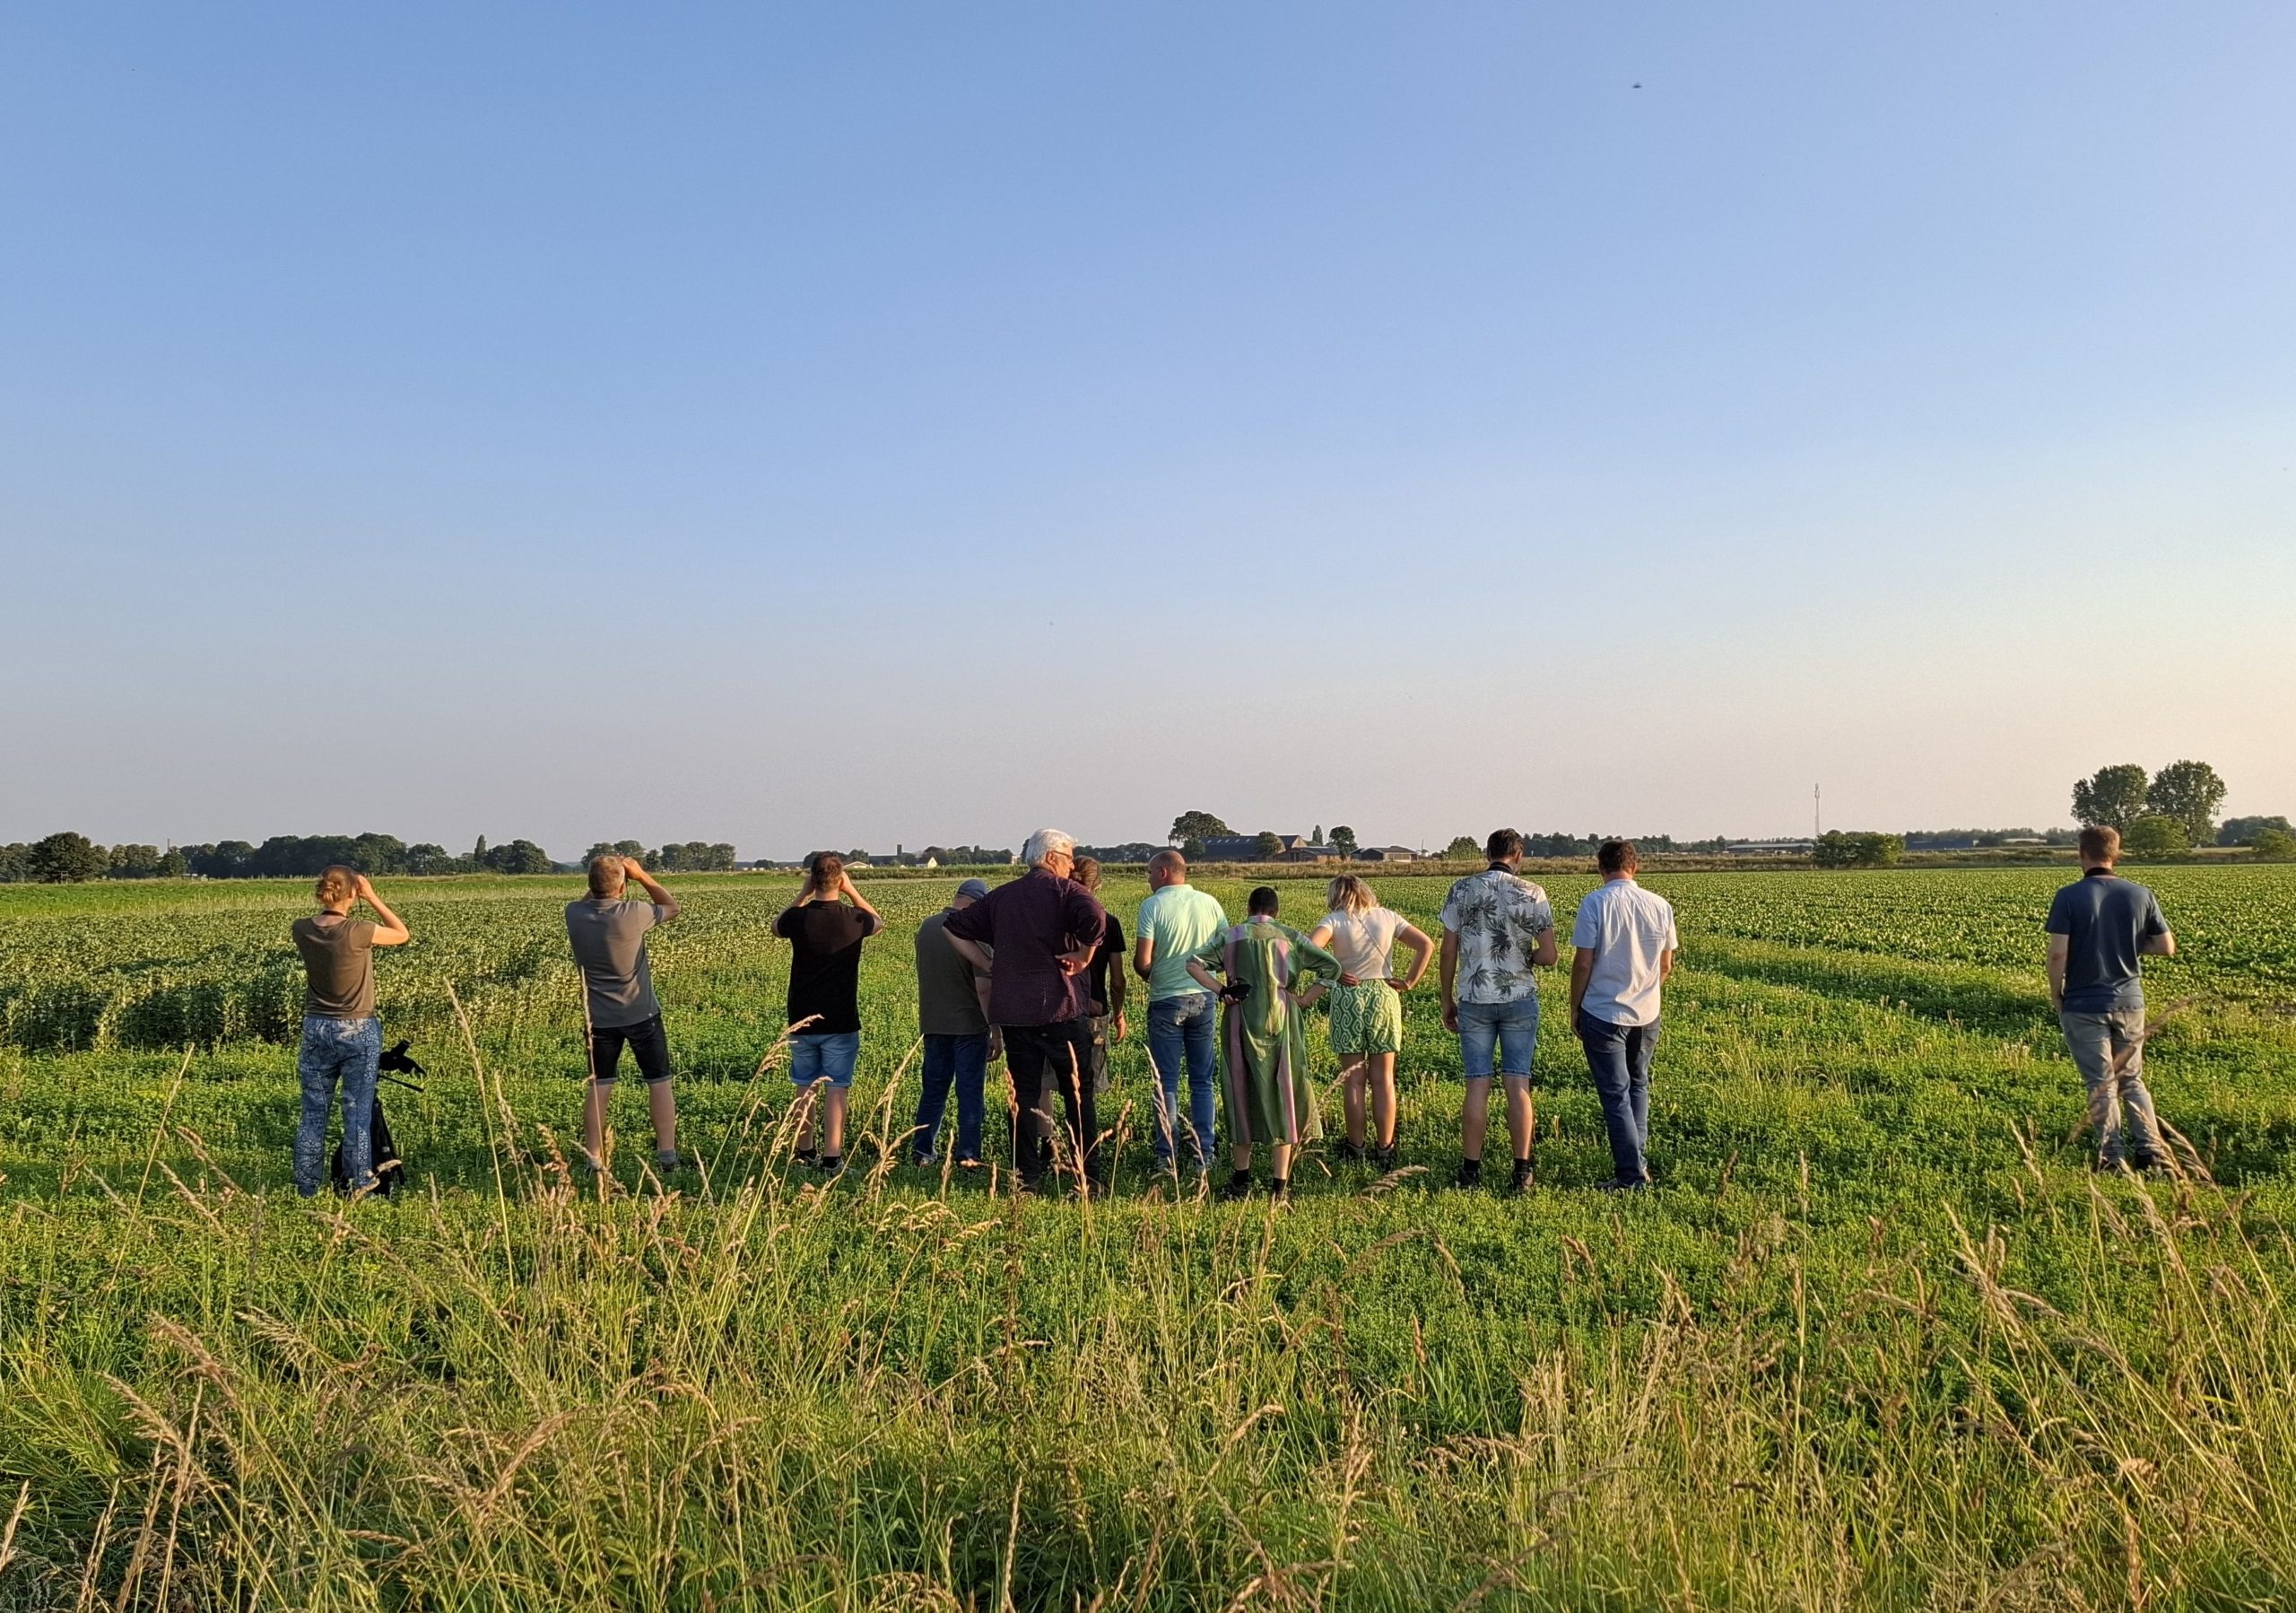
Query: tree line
{"points": [[70, 857], [2173, 810]]}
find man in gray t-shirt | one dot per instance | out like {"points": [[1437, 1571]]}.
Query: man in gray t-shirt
{"points": [[608, 936]]}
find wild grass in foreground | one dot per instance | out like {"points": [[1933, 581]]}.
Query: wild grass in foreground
{"points": [[867, 1399]]}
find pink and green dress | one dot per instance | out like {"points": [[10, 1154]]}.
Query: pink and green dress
{"points": [[1268, 1096]]}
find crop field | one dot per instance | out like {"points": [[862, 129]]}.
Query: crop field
{"points": [[1879, 1339]]}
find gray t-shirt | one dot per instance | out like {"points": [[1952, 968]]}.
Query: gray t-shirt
{"points": [[948, 999], [339, 967], [609, 942]]}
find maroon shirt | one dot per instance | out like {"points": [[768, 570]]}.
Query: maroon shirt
{"points": [[1029, 923]]}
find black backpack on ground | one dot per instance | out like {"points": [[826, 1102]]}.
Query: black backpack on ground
{"points": [[390, 1170]]}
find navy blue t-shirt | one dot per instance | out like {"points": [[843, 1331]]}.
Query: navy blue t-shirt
{"points": [[2104, 920]]}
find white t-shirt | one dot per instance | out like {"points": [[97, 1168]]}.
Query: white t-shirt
{"points": [[1364, 943], [1630, 929]]}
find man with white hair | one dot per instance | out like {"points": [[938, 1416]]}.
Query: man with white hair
{"points": [[1032, 939]]}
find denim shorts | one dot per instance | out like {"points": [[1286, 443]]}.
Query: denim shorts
{"points": [[823, 1056], [1509, 1030]]}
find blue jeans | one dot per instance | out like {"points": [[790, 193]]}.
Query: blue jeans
{"points": [[823, 1056], [962, 1061], [1618, 1056], [1185, 1029], [1509, 1030], [337, 1053]]}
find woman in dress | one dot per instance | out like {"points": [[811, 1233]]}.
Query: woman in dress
{"points": [[1366, 1013], [1272, 974]]}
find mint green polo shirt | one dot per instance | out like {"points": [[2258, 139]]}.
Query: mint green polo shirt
{"points": [[1178, 919]]}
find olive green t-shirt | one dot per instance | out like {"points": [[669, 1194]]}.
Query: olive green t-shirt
{"points": [[339, 967]]}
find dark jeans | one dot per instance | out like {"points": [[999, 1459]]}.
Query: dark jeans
{"points": [[1096, 1036], [1618, 1056], [960, 1060], [1185, 1030], [1042, 1057]]}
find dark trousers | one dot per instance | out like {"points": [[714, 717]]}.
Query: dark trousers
{"points": [[1618, 1056], [959, 1061], [1042, 1057]]}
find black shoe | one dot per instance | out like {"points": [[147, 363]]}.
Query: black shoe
{"points": [[1348, 1153], [1621, 1184], [1522, 1180], [1470, 1174], [2151, 1165], [1384, 1157], [807, 1157], [832, 1164], [1279, 1187], [1239, 1186]]}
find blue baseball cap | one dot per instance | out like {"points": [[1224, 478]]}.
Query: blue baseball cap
{"points": [[974, 888]]}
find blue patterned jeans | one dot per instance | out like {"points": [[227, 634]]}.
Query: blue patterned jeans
{"points": [[337, 1053]]}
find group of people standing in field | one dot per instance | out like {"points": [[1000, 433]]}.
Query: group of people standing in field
{"points": [[1033, 971]]}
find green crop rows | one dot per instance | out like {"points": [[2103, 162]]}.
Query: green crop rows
{"points": [[1880, 1339]]}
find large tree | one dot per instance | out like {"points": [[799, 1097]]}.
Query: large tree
{"points": [[520, 856], [1198, 826], [2155, 834], [1343, 840], [1462, 848], [68, 858], [1267, 845], [2113, 796], [2189, 792], [134, 862]]}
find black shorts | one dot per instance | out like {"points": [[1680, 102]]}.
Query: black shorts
{"points": [[649, 1043]]}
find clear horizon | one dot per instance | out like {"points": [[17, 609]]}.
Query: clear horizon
{"points": [[783, 429]]}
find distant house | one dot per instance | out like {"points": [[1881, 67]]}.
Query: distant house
{"points": [[1289, 847], [1389, 854]]}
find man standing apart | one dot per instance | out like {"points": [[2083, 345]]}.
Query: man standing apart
{"points": [[1041, 930], [2099, 929], [1498, 926], [952, 1017], [607, 933], [1626, 943], [1104, 984], [1175, 923], [824, 935], [341, 1037]]}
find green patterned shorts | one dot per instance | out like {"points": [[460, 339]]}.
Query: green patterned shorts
{"points": [[1366, 1019]]}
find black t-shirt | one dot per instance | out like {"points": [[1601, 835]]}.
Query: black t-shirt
{"points": [[825, 964], [1111, 951]]}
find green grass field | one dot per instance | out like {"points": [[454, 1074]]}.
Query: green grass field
{"points": [[1880, 1339]]}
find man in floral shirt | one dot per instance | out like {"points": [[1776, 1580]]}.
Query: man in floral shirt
{"points": [[1498, 926]]}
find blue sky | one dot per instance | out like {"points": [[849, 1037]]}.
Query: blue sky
{"points": [[838, 425]]}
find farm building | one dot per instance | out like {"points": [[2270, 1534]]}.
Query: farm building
{"points": [[1389, 854], [1290, 848]]}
